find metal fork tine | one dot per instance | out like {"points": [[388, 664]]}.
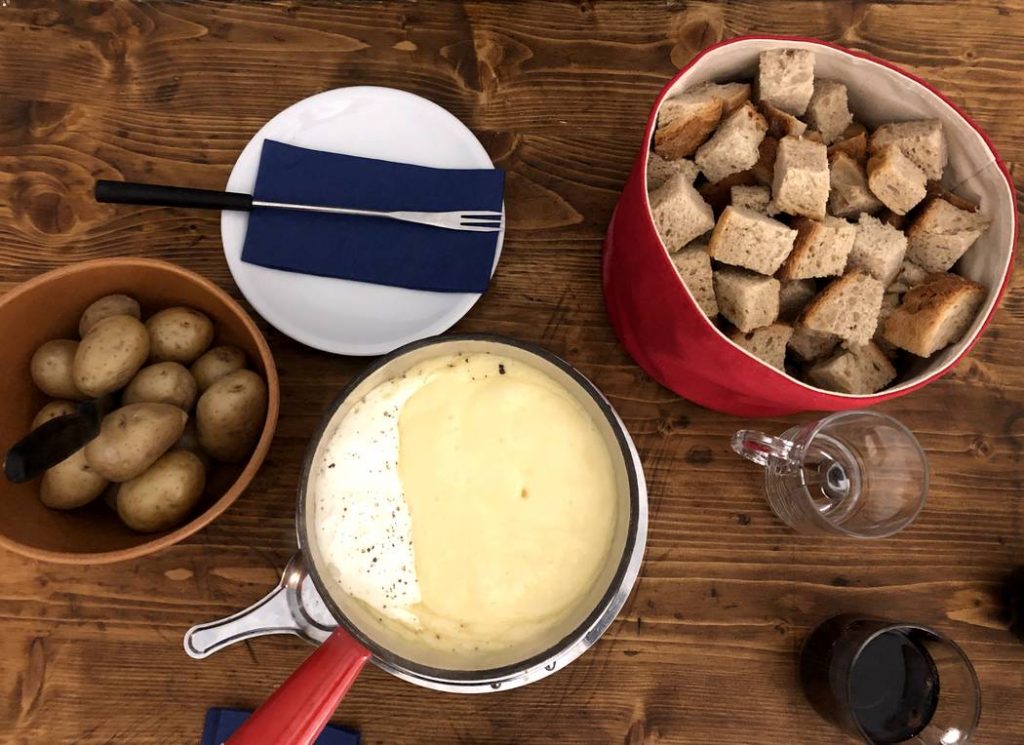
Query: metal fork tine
{"points": [[489, 215], [480, 228]]}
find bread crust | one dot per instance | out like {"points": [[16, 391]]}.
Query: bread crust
{"points": [[915, 324], [683, 134]]}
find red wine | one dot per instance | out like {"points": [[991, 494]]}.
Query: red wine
{"points": [[894, 688], [878, 680]]}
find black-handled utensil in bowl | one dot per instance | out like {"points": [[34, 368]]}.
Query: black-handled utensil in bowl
{"points": [[158, 195], [50, 443]]}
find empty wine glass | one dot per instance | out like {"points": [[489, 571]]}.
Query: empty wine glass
{"points": [[856, 473]]}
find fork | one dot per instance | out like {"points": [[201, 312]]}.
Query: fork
{"points": [[127, 192]]}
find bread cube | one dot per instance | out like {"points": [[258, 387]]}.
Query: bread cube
{"points": [[785, 78], [936, 189], [922, 141], [909, 276], [764, 169], [794, 294], [808, 345], [890, 301], [719, 193], [679, 213], [694, 267], [853, 142], [942, 233], [820, 250], [734, 146], [891, 219], [859, 370], [934, 314], [767, 343], [747, 300], [749, 239], [801, 182], [755, 198], [683, 126], [660, 170], [828, 110], [848, 307], [781, 124], [686, 120], [896, 180], [849, 194], [878, 249]]}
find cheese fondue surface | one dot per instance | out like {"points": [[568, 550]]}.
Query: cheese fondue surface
{"points": [[470, 502]]}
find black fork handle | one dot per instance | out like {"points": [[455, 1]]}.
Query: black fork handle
{"points": [[158, 195]]}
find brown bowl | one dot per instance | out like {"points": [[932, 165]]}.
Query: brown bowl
{"points": [[48, 307]]}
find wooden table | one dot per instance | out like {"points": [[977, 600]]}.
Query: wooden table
{"points": [[558, 92]]}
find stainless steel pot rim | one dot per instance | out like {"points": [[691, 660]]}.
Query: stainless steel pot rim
{"points": [[570, 646]]}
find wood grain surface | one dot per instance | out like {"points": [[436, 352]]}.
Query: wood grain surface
{"points": [[705, 650]]}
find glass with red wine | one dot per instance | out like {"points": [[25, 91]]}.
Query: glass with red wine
{"points": [[890, 683]]}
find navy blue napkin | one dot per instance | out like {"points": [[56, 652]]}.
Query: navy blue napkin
{"points": [[220, 724], [384, 252]]}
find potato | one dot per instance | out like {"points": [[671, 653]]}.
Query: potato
{"points": [[51, 369], [179, 335], [133, 437], [189, 441], [162, 383], [105, 307], [164, 494], [110, 496], [53, 410], [110, 355], [71, 483], [230, 415], [215, 364]]}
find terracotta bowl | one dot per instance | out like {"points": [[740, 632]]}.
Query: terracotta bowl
{"points": [[48, 307]]}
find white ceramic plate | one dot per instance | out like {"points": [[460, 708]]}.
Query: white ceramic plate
{"points": [[340, 315]]}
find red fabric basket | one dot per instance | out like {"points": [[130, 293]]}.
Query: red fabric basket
{"points": [[656, 317]]}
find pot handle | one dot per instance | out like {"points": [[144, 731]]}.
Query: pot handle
{"points": [[297, 712], [269, 615]]}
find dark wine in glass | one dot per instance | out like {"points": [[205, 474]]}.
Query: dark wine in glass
{"points": [[894, 688], [890, 683]]}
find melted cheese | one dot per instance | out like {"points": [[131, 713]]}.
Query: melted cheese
{"points": [[471, 501]]}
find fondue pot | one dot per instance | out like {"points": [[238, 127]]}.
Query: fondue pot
{"points": [[309, 604]]}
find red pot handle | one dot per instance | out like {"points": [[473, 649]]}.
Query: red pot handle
{"points": [[297, 712]]}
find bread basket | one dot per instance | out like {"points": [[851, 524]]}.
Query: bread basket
{"points": [[659, 322]]}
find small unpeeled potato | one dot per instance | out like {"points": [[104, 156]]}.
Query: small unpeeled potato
{"points": [[110, 496], [105, 307], [163, 495], [215, 364], [52, 369], [133, 437], [110, 355], [189, 441], [230, 415], [53, 410], [162, 383], [179, 335], [71, 483]]}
